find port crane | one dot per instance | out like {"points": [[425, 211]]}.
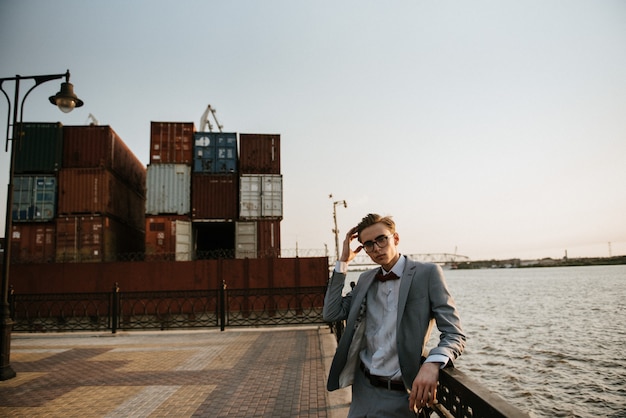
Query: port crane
{"points": [[204, 119]]}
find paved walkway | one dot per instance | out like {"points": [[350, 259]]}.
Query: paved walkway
{"points": [[272, 372]]}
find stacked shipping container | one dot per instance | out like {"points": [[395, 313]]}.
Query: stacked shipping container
{"points": [[81, 195], [260, 196], [168, 192], [233, 201], [65, 175]]}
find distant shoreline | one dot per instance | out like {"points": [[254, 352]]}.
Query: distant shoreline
{"points": [[544, 262]]}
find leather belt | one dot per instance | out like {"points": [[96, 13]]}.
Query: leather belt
{"points": [[382, 382]]}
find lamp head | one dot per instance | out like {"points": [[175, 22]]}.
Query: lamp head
{"points": [[65, 99]]}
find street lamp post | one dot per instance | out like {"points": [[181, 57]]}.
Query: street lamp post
{"points": [[336, 230], [66, 100]]}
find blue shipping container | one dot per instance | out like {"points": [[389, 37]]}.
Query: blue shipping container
{"points": [[215, 152], [34, 198]]}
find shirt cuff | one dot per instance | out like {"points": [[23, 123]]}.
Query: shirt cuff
{"points": [[341, 267], [437, 358]]}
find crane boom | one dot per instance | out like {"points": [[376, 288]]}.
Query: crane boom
{"points": [[204, 119]]}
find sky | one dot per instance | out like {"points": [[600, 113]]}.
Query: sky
{"points": [[489, 129]]}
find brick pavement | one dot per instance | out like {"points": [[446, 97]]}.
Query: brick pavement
{"points": [[272, 372]]}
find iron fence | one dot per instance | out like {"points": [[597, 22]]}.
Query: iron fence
{"points": [[118, 310]]}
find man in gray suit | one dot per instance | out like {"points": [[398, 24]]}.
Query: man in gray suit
{"points": [[390, 314]]}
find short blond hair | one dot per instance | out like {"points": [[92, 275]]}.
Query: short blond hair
{"points": [[373, 219]]}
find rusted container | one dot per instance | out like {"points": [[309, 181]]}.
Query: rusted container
{"points": [[33, 242], [34, 198], [259, 154], [215, 152], [268, 237], [40, 149], [171, 142], [214, 239], [261, 196], [257, 239], [100, 146], [95, 239], [168, 189], [214, 196], [99, 191], [168, 238]]}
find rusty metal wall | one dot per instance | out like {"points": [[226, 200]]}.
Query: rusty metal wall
{"points": [[169, 275]]}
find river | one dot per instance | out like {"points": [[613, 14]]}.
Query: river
{"points": [[551, 341]]}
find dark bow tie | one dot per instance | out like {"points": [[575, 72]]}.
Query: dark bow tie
{"points": [[384, 277]]}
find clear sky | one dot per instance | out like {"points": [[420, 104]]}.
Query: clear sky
{"points": [[493, 129]]}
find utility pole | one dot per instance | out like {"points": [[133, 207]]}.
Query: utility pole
{"points": [[336, 229]]}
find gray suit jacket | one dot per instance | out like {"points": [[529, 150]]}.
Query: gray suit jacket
{"points": [[423, 301]]}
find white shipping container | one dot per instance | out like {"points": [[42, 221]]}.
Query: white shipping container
{"points": [[168, 189], [261, 196], [184, 241], [245, 240]]}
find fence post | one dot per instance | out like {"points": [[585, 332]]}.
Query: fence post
{"points": [[115, 307], [223, 306]]}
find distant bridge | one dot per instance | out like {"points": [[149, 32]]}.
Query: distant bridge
{"points": [[362, 260]]}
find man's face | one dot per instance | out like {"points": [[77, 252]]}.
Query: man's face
{"points": [[380, 244]]}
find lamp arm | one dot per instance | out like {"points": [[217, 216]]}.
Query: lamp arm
{"points": [[6, 141], [39, 80]]}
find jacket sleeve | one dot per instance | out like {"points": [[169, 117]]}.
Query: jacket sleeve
{"points": [[443, 308], [336, 306]]}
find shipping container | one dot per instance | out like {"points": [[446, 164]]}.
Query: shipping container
{"points": [[99, 191], [215, 152], [214, 196], [214, 239], [40, 150], [34, 198], [96, 239], [259, 154], [33, 242], [261, 196], [168, 238], [268, 237], [171, 142], [257, 239], [99, 146], [168, 189], [245, 239]]}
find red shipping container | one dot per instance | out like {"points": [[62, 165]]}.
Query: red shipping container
{"points": [[33, 243], [99, 191], [171, 142], [169, 237], [100, 146], [96, 239], [259, 154], [268, 238], [214, 196]]}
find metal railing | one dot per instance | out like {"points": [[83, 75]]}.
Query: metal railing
{"points": [[458, 396], [118, 310]]}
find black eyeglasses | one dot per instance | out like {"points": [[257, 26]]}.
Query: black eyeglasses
{"points": [[381, 241]]}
